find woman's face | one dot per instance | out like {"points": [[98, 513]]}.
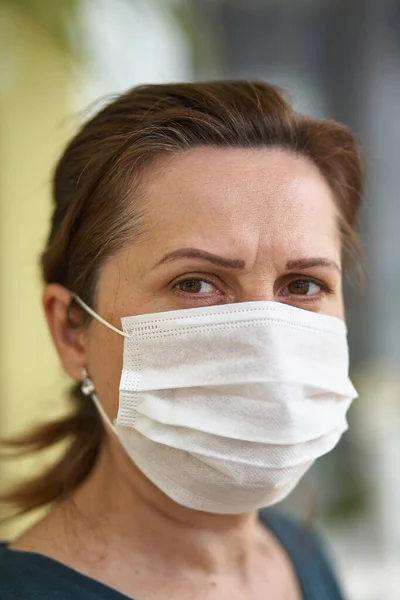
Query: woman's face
{"points": [[221, 226]]}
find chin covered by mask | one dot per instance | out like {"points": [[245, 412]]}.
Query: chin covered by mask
{"points": [[224, 408]]}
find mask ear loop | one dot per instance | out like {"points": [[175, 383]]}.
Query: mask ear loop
{"points": [[87, 386], [88, 390], [98, 318]]}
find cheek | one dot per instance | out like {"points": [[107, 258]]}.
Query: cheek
{"points": [[334, 304], [104, 364], [336, 309]]}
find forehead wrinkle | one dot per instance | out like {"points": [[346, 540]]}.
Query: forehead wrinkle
{"points": [[187, 212]]}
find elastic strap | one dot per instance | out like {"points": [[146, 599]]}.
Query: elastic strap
{"points": [[98, 318]]}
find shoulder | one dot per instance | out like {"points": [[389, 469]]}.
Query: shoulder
{"points": [[21, 578], [29, 576], [309, 556], [13, 576]]}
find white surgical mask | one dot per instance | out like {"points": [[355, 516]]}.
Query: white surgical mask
{"points": [[224, 408]]}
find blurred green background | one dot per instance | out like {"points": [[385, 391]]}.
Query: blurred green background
{"points": [[337, 59]]}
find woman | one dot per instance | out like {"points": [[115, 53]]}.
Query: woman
{"points": [[197, 244]]}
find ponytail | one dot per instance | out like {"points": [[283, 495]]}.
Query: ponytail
{"points": [[83, 433]]}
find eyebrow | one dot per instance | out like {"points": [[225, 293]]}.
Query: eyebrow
{"points": [[308, 263], [229, 263], [220, 261]]}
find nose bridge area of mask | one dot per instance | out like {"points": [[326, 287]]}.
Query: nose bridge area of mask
{"points": [[146, 324], [252, 343]]}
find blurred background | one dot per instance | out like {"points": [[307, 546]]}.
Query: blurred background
{"points": [[59, 61]]}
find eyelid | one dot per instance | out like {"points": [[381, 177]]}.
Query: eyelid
{"points": [[290, 277], [189, 277]]}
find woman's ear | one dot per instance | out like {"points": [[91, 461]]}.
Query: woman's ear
{"points": [[69, 341]]}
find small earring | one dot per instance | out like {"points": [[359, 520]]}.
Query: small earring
{"points": [[87, 385]]}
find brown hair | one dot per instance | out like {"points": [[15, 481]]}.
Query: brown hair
{"points": [[96, 211]]}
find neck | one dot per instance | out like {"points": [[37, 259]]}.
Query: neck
{"points": [[120, 505]]}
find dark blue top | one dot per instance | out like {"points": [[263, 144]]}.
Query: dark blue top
{"points": [[29, 576]]}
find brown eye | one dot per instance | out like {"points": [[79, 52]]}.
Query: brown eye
{"points": [[195, 286], [302, 287]]}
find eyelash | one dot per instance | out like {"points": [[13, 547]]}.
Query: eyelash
{"points": [[325, 289], [190, 279]]}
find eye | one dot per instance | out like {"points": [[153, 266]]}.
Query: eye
{"points": [[195, 286], [303, 287]]}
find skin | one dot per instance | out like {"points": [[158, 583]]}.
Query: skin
{"points": [[265, 208]]}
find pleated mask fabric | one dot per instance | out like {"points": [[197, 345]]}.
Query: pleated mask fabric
{"points": [[224, 408]]}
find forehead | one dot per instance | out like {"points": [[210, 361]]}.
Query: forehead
{"points": [[233, 197]]}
